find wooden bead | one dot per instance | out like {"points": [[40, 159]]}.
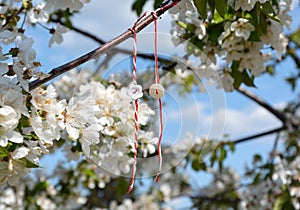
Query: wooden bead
{"points": [[156, 91]]}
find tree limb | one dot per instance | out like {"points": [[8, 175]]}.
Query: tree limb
{"points": [[149, 56], [100, 50], [264, 104], [265, 133]]}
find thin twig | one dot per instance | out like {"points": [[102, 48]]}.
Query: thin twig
{"points": [[97, 52], [93, 37], [273, 153], [80, 31], [6, 25], [265, 133]]}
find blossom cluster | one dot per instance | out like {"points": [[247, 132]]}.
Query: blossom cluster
{"points": [[95, 122], [283, 184], [234, 43], [100, 118]]}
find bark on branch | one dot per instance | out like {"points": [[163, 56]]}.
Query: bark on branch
{"points": [[264, 104], [279, 115], [265, 133], [100, 50]]}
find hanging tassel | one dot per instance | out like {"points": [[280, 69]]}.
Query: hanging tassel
{"points": [[133, 92], [157, 91]]}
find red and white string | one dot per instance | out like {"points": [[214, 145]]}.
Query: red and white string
{"points": [[136, 102], [136, 105], [157, 80]]}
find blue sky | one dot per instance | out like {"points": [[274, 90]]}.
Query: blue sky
{"points": [[109, 18]]}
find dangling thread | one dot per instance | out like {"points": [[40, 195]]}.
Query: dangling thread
{"points": [[136, 102], [136, 106], [157, 80]]}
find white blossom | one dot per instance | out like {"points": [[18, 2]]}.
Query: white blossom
{"points": [[20, 153], [193, 18], [78, 112], [57, 34], [182, 7], [7, 36], [2, 57], [37, 14], [3, 9], [246, 4], [9, 119], [275, 37], [227, 81], [8, 197], [3, 68], [45, 203], [73, 5], [48, 126], [90, 136], [242, 28], [26, 52]]}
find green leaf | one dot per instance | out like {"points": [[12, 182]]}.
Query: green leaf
{"points": [[260, 20], [3, 152], [295, 37], [201, 7], [241, 77], [157, 3], [248, 79], [90, 173], [214, 31], [27, 4], [221, 7], [11, 146], [231, 146], [217, 19], [292, 81], [23, 122], [212, 5], [138, 5], [254, 37], [213, 158], [256, 178], [29, 164], [220, 164], [222, 154], [196, 165], [257, 158], [122, 187], [268, 9], [284, 202], [41, 186], [194, 47], [187, 26]]}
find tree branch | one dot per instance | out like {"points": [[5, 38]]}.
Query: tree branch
{"points": [[202, 199], [149, 56], [265, 133], [264, 104], [100, 50], [268, 107]]}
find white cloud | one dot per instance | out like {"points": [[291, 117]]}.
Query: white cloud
{"points": [[238, 123], [250, 120]]}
